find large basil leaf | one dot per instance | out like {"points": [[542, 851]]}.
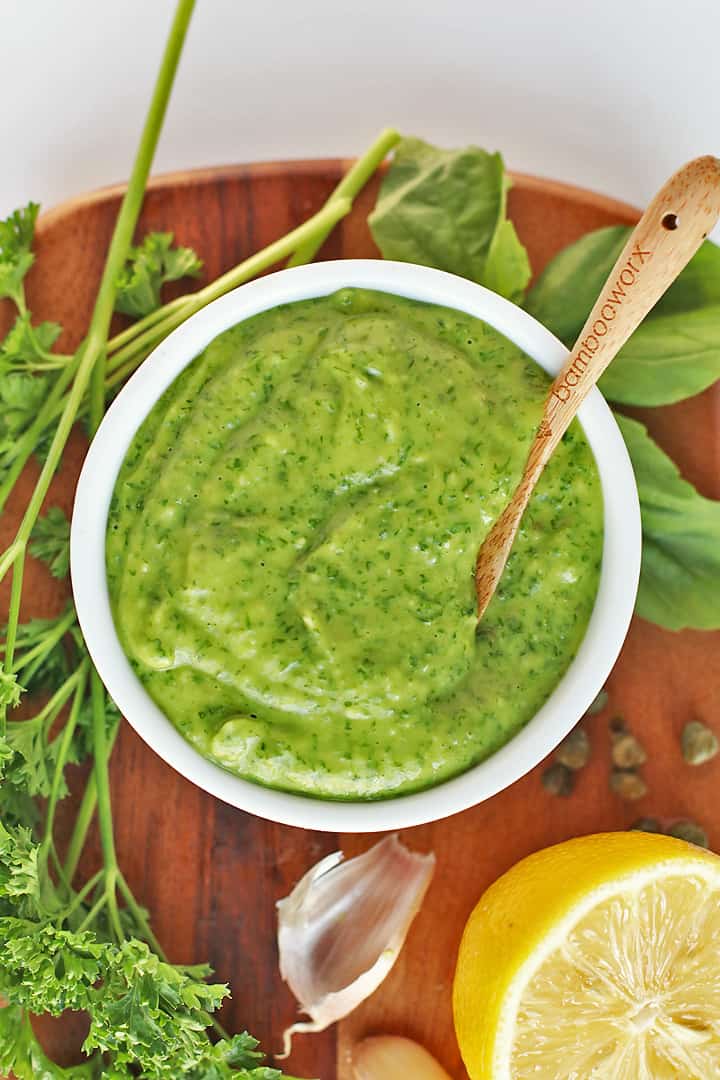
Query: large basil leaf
{"points": [[680, 575], [446, 208], [674, 354]]}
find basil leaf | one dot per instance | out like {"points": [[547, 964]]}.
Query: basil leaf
{"points": [[674, 354], [681, 540], [446, 208]]}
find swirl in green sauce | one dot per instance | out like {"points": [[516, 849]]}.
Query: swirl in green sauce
{"points": [[292, 538]]}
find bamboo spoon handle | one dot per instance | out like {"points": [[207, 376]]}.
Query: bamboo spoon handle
{"points": [[667, 236]]}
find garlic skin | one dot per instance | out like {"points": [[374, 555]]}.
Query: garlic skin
{"points": [[342, 927], [389, 1057]]}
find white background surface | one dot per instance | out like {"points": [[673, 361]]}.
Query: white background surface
{"points": [[612, 95]]}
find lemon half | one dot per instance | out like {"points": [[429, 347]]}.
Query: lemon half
{"points": [[598, 958]]}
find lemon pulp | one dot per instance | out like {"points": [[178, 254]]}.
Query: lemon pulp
{"points": [[598, 959]]}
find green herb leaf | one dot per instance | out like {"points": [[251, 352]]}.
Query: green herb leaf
{"points": [[16, 237], [22, 1055], [27, 345], [34, 759], [10, 691], [21, 396], [681, 552], [148, 267], [48, 667], [563, 296], [674, 354], [51, 542], [446, 208]]}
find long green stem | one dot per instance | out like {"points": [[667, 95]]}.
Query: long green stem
{"points": [[85, 814], [349, 187], [140, 916], [129, 212], [78, 898], [137, 328], [102, 779], [83, 820], [48, 643], [104, 804], [18, 567], [63, 750], [93, 347], [14, 609]]}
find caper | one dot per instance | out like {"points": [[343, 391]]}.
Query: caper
{"points": [[690, 831], [699, 743], [627, 752], [628, 784], [574, 750], [646, 824], [558, 780], [598, 704]]}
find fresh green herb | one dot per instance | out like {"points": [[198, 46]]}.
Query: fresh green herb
{"points": [[51, 542], [90, 946], [681, 553], [27, 346], [59, 950], [147, 269], [674, 353], [16, 257], [447, 209]]}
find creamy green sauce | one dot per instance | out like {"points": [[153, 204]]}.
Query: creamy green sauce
{"points": [[292, 538]]}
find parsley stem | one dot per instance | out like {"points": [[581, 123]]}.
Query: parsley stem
{"points": [[62, 754], [102, 779], [85, 814], [137, 328], [129, 212], [48, 642], [83, 821], [95, 910], [7, 560], [18, 567], [140, 916], [78, 898], [14, 610], [49, 712], [351, 185]]}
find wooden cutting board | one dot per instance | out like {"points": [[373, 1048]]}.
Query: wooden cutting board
{"points": [[211, 874]]}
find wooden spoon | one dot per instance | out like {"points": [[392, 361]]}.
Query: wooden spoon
{"points": [[667, 236]]}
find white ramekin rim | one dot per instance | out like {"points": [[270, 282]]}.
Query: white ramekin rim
{"points": [[584, 678]]}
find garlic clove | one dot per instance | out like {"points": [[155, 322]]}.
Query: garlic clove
{"points": [[390, 1057], [342, 927]]}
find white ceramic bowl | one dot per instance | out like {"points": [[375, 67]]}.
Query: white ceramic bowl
{"points": [[583, 679]]}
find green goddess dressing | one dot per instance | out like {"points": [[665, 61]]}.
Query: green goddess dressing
{"points": [[293, 533]]}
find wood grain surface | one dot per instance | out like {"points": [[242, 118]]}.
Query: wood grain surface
{"points": [[211, 874]]}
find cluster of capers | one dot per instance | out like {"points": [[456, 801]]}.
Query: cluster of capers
{"points": [[698, 744]]}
